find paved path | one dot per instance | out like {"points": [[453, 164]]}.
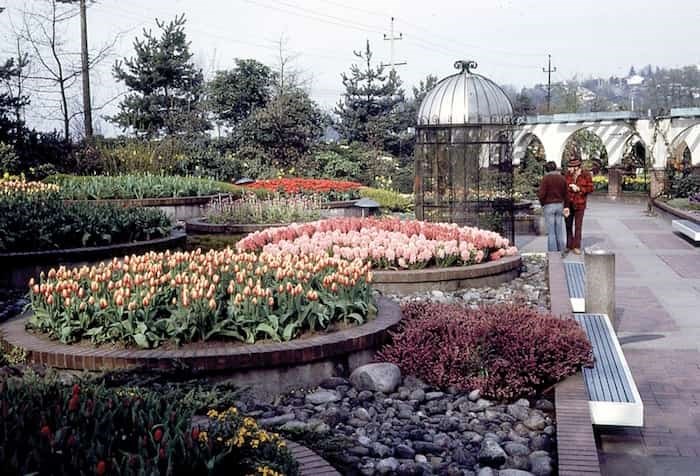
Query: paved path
{"points": [[658, 312]]}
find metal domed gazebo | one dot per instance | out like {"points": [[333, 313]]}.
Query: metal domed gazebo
{"points": [[464, 142]]}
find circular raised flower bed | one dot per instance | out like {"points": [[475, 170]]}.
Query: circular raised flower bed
{"points": [[491, 273], [269, 367], [200, 226], [176, 208], [406, 255], [19, 267]]}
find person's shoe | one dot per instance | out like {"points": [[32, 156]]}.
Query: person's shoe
{"points": [[564, 253], [577, 251]]}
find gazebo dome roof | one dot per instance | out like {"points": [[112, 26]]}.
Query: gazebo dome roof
{"points": [[465, 98]]}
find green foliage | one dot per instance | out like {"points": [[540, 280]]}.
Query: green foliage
{"points": [[52, 428], [527, 176], [388, 199], [278, 209], [684, 204], [234, 94], [41, 222], [373, 106], [9, 162], [11, 126], [282, 133], [337, 166], [683, 187], [166, 88], [137, 187]]}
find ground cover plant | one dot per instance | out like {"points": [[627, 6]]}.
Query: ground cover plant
{"points": [[389, 199], [88, 428], [332, 190], [691, 203], [600, 183], [278, 209], [182, 297], [33, 218], [635, 184], [137, 187], [385, 243], [507, 350]]}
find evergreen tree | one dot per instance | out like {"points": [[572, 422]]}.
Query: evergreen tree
{"points": [[11, 104], [373, 108], [234, 94], [166, 87]]}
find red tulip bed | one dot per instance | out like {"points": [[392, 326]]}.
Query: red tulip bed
{"points": [[331, 190]]}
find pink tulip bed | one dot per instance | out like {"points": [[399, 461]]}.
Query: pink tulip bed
{"points": [[387, 243]]}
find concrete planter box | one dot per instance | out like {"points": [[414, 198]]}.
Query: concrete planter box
{"points": [[176, 208], [410, 281], [269, 368], [18, 268]]}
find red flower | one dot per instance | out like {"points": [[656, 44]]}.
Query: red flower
{"points": [[101, 468], [161, 453], [74, 403], [45, 431], [76, 389], [195, 433], [158, 435]]}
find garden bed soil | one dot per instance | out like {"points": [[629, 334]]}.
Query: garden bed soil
{"points": [[176, 208], [268, 367], [407, 281], [19, 267]]}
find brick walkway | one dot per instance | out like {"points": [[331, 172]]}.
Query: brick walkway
{"points": [[658, 312]]}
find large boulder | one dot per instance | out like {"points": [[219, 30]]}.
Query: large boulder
{"points": [[379, 377]]}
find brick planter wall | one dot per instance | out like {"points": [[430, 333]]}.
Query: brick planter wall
{"points": [[576, 448], [177, 208], [200, 226], [409, 281], [268, 367]]}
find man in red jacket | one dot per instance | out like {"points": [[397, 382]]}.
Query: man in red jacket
{"points": [[579, 185]]}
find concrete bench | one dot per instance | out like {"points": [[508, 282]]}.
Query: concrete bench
{"points": [[688, 228], [576, 284], [613, 397]]}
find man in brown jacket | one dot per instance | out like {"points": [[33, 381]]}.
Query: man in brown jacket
{"points": [[552, 195]]}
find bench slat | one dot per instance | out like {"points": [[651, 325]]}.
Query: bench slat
{"points": [[576, 284], [612, 393]]}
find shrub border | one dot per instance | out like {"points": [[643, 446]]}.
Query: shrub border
{"points": [[216, 357], [408, 281]]}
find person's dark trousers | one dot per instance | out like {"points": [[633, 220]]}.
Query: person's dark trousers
{"points": [[574, 222]]}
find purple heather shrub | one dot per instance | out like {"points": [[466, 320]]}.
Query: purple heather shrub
{"points": [[505, 350]]}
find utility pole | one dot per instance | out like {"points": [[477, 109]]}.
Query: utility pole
{"points": [[87, 103], [549, 72], [391, 38]]}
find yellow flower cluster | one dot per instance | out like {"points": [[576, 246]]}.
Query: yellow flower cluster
{"points": [[16, 186], [267, 471], [248, 433]]}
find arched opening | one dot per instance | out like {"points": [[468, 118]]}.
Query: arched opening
{"points": [[635, 166], [528, 174], [593, 154]]}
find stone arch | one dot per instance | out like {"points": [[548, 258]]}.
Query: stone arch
{"points": [[601, 161], [689, 138], [522, 143]]}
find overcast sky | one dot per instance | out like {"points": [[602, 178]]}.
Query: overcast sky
{"points": [[510, 39]]}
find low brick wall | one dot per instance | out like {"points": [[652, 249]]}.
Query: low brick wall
{"points": [[268, 367], [409, 281], [310, 464], [576, 448], [18, 268], [200, 226]]}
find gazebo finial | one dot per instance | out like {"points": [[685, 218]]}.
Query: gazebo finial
{"points": [[465, 65]]}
